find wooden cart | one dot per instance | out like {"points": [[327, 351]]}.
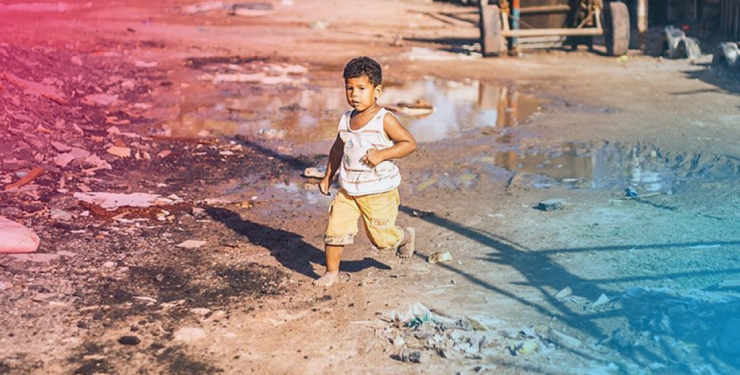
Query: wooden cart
{"points": [[506, 21]]}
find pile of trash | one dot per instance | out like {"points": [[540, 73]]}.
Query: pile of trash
{"points": [[419, 335]]}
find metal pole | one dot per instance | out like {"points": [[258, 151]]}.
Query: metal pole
{"points": [[642, 21]]}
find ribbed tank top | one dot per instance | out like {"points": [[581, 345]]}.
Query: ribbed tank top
{"points": [[355, 177]]}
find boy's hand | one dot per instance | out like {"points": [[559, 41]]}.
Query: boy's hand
{"points": [[324, 186], [372, 157]]}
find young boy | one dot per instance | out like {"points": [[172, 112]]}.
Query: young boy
{"points": [[369, 138]]}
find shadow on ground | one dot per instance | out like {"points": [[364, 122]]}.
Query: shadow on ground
{"points": [[287, 247], [680, 334], [725, 81]]}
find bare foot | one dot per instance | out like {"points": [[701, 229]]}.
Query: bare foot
{"points": [[407, 249], [328, 279]]}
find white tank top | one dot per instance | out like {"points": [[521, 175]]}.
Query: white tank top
{"points": [[355, 177]]}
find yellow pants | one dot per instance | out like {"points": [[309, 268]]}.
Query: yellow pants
{"points": [[379, 213]]}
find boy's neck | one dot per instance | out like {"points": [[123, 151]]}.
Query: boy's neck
{"points": [[374, 108]]}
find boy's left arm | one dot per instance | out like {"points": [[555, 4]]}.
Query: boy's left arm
{"points": [[404, 143]]}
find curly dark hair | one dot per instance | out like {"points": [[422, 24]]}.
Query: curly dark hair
{"points": [[364, 66]]}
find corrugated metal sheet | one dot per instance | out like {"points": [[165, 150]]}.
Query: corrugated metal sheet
{"points": [[730, 19]]}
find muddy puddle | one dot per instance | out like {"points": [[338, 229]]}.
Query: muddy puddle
{"points": [[605, 166], [432, 110]]}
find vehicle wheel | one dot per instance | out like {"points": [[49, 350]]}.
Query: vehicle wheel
{"points": [[490, 29], [616, 28], [687, 48], [726, 56]]}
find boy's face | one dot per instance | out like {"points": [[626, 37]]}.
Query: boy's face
{"points": [[361, 94]]}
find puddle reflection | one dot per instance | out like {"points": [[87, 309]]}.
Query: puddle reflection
{"points": [[311, 114], [605, 166], [460, 106]]}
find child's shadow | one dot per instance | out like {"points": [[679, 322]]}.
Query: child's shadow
{"points": [[287, 247]]}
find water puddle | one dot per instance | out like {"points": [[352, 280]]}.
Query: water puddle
{"points": [[308, 114], [603, 166]]}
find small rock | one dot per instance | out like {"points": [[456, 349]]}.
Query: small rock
{"points": [[202, 311], [128, 85], [60, 215], [191, 244], [5, 285], [129, 340], [109, 264], [551, 205], [43, 297], [199, 213], [189, 334], [76, 60]]}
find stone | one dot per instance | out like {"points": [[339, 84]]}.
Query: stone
{"points": [[551, 205], [202, 311], [129, 340], [191, 244], [60, 215], [43, 297]]}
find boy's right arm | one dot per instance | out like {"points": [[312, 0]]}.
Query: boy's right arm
{"points": [[335, 159]]}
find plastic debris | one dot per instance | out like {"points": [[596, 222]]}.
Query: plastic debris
{"points": [[527, 347], [111, 201], [440, 257], [564, 293], [564, 340]]}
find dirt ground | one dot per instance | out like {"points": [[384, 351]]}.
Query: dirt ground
{"points": [[636, 273]]}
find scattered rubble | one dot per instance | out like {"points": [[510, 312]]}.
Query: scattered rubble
{"points": [[440, 257]]}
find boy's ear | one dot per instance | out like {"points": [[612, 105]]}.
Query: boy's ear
{"points": [[378, 90]]}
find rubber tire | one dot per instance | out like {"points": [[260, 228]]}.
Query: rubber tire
{"points": [[616, 28], [490, 29]]}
